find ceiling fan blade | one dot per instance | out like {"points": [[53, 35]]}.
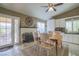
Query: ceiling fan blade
{"points": [[54, 9], [47, 10], [58, 4]]}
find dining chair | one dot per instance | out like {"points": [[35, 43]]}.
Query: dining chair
{"points": [[45, 43], [57, 35], [36, 37], [50, 33], [36, 43]]}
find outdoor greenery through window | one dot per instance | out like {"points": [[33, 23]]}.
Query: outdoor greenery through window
{"points": [[72, 25]]}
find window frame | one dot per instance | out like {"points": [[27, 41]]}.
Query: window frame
{"points": [[71, 19]]}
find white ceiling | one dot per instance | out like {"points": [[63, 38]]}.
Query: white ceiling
{"points": [[34, 9]]}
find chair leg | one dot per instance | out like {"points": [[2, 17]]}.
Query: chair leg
{"points": [[38, 51], [48, 52], [61, 45]]}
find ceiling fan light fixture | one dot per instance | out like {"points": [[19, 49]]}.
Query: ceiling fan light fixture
{"points": [[51, 9]]}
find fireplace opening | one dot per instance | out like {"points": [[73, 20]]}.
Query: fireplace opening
{"points": [[27, 37]]}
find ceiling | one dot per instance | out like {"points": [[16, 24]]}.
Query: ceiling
{"points": [[34, 9]]}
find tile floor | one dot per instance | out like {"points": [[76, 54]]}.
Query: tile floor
{"points": [[28, 49]]}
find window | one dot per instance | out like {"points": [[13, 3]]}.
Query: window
{"points": [[40, 27], [72, 25]]}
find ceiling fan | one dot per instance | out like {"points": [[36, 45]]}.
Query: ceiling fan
{"points": [[51, 6]]}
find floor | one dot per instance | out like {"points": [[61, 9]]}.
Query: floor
{"points": [[28, 49], [5, 39]]}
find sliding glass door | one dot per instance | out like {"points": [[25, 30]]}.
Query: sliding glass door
{"points": [[5, 31], [9, 30]]}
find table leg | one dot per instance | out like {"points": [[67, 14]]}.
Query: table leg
{"points": [[56, 48]]}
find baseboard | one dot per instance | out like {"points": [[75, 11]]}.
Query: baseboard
{"points": [[71, 42]]}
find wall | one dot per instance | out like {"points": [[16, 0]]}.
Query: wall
{"points": [[60, 23], [22, 17], [50, 25], [73, 12], [73, 38]]}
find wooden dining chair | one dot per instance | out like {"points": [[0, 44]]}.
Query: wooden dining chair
{"points": [[45, 42], [57, 35], [50, 33], [36, 43], [36, 37]]}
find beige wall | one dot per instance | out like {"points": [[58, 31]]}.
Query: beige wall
{"points": [[73, 12], [22, 17], [60, 23]]}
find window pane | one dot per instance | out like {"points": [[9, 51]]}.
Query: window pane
{"points": [[5, 30], [2, 25], [69, 26], [2, 32], [76, 26], [41, 27]]}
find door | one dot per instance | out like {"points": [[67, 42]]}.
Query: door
{"points": [[5, 31], [9, 30]]}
